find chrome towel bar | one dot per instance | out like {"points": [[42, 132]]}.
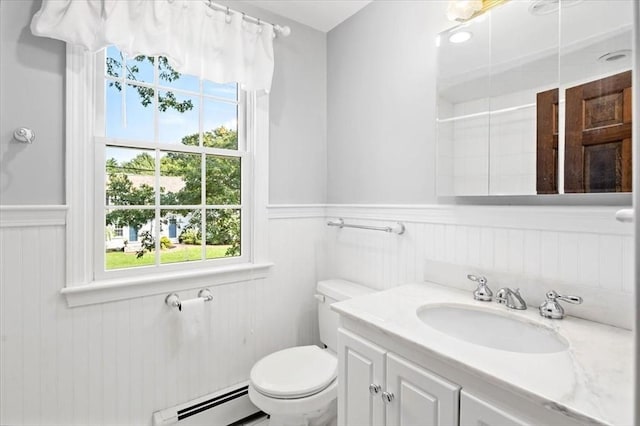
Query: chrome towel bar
{"points": [[399, 228], [173, 300]]}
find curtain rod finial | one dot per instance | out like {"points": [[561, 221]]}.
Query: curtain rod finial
{"points": [[284, 31]]}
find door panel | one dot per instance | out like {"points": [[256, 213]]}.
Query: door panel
{"points": [[598, 136], [360, 364], [421, 398]]}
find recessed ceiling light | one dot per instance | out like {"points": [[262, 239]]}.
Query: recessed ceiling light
{"points": [[617, 55], [460, 37]]}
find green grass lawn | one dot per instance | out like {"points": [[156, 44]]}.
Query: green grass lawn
{"points": [[181, 253]]}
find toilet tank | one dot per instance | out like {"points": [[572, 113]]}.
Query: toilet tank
{"points": [[331, 291]]}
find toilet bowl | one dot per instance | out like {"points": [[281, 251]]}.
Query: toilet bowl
{"points": [[298, 386]]}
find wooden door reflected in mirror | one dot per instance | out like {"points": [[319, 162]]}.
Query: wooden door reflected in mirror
{"points": [[598, 136], [598, 120], [547, 130]]}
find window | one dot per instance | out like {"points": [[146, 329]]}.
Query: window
{"points": [[178, 179], [172, 148]]}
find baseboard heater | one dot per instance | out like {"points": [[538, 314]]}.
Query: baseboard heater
{"points": [[223, 407]]}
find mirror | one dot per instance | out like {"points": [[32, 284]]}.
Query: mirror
{"points": [[513, 87]]}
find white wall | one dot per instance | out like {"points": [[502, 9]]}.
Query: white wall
{"points": [[32, 87], [380, 102], [298, 113], [116, 363]]}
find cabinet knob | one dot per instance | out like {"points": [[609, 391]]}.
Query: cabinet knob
{"points": [[374, 389], [387, 397]]}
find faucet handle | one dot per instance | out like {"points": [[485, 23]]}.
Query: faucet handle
{"points": [[550, 308], [479, 279], [482, 292], [553, 295]]}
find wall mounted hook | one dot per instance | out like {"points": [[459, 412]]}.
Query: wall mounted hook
{"points": [[24, 135]]}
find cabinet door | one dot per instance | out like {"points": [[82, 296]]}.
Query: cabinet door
{"points": [[360, 364], [420, 398], [478, 412]]}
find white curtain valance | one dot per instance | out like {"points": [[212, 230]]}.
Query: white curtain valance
{"points": [[196, 39]]}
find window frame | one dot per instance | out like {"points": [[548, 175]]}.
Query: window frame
{"points": [[85, 284], [101, 141]]}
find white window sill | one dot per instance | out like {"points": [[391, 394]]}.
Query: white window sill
{"points": [[129, 288]]}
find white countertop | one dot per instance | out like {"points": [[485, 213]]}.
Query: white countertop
{"points": [[592, 378]]}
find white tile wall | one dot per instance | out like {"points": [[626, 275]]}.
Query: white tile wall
{"points": [[116, 363], [493, 154]]}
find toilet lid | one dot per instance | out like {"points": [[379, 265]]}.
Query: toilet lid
{"points": [[294, 372]]}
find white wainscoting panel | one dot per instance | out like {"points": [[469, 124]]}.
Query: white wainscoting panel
{"points": [[116, 363], [579, 248]]}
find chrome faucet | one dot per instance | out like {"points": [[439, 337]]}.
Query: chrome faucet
{"points": [[550, 308], [482, 292], [511, 299]]}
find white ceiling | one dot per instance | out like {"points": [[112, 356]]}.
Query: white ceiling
{"points": [[322, 15]]}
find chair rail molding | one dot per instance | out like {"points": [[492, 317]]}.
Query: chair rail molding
{"points": [[296, 211], [20, 216], [591, 219]]}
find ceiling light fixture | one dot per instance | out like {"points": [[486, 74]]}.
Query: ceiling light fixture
{"points": [[460, 37], [461, 10], [464, 10], [617, 55]]}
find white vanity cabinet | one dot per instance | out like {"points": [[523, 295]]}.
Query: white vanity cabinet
{"points": [[420, 397], [378, 387], [360, 381], [384, 341]]}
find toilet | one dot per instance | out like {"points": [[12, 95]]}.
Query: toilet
{"points": [[298, 386]]}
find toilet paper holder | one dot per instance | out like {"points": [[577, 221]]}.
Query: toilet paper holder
{"points": [[173, 300]]}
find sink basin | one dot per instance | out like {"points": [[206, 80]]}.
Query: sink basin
{"points": [[491, 329]]}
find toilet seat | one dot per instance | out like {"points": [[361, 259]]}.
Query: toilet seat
{"points": [[296, 372]]}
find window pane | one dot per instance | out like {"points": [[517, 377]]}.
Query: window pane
{"points": [[126, 251], [113, 62], [140, 68], [181, 236], [220, 124], [225, 90], [178, 118], [129, 176], [223, 233], [169, 77], [223, 180], [138, 123], [180, 178]]}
